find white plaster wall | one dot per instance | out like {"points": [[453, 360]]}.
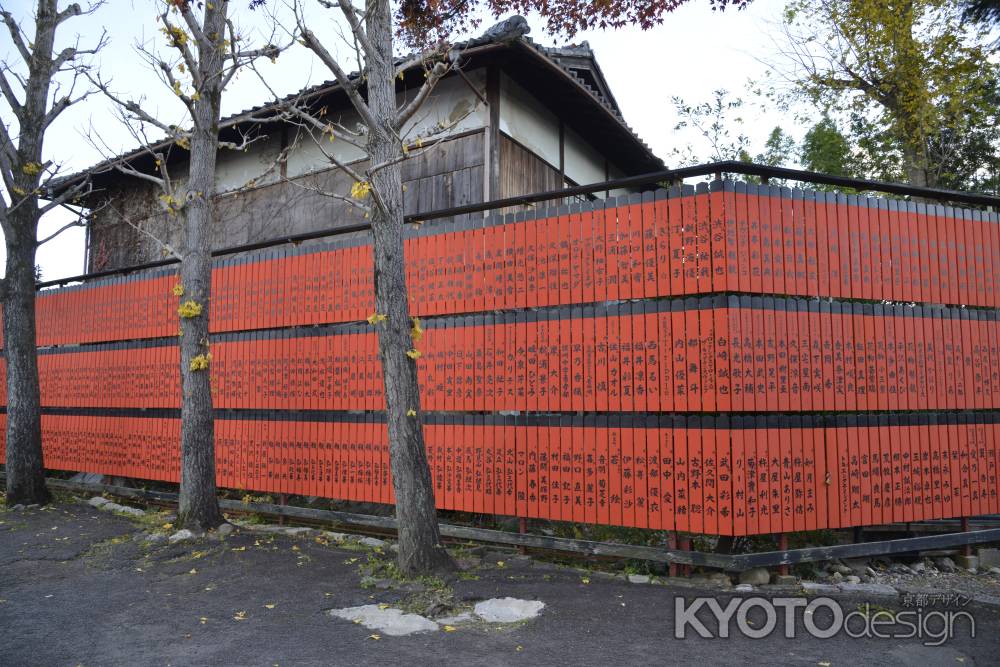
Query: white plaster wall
{"points": [[584, 164], [452, 104], [526, 120], [235, 169]]}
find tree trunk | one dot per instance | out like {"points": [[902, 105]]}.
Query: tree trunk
{"points": [[24, 462], [198, 503], [420, 549], [915, 166], [25, 474]]}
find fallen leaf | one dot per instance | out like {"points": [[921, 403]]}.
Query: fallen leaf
{"points": [[270, 605], [203, 620], [295, 547], [585, 580], [193, 570], [383, 606], [375, 637], [501, 564], [450, 628], [519, 648], [824, 663], [240, 616], [238, 549]]}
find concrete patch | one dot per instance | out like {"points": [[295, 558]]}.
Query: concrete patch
{"points": [[389, 621], [464, 617], [508, 610]]}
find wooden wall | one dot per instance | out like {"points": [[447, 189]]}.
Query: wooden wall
{"points": [[450, 173]]}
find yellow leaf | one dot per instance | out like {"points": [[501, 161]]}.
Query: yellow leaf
{"points": [[168, 526], [203, 620], [375, 318], [240, 616], [270, 605], [201, 362], [193, 571], [178, 290], [361, 189], [501, 564], [189, 309], [411, 413], [450, 628], [238, 549], [374, 637], [417, 332], [585, 580], [413, 354], [383, 606]]}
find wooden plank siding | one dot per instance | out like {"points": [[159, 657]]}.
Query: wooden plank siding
{"points": [[450, 173]]}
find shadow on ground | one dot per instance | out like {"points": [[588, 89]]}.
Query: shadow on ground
{"points": [[82, 587]]}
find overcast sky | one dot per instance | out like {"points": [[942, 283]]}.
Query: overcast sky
{"points": [[695, 52]]}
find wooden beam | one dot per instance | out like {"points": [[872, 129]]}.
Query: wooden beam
{"points": [[493, 133]]}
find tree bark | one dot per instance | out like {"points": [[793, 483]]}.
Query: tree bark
{"points": [[198, 502], [420, 548], [24, 461], [25, 472]]}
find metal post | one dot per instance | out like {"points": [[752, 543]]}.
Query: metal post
{"points": [[672, 544], [966, 548], [684, 544], [782, 546], [522, 527]]}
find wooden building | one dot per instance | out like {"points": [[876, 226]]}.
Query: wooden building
{"points": [[517, 118]]}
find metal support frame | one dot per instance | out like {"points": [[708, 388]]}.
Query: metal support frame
{"points": [[681, 556]]}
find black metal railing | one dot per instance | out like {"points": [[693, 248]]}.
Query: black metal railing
{"points": [[629, 182]]}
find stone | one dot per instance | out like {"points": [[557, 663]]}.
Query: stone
{"points": [[899, 568], [32, 506], [638, 578], [742, 588], [815, 587], [298, 531], [335, 537], [17, 508], [98, 501], [989, 558], [837, 568], [945, 564], [869, 589], [870, 571], [837, 577], [508, 610], [184, 535], [225, 529], [858, 566], [155, 538], [784, 579], [720, 579], [372, 542], [919, 567], [967, 562], [852, 579], [389, 621], [994, 571], [757, 576], [124, 509]]}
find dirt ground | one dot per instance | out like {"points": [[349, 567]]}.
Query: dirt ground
{"points": [[80, 586]]}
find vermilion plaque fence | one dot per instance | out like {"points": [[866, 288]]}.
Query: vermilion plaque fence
{"points": [[732, 359]]}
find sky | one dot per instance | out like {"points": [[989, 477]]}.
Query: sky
{"points": [[693, 53]]}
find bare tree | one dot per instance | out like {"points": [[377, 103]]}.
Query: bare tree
{"points": [[48, 87], [206, 54]]}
